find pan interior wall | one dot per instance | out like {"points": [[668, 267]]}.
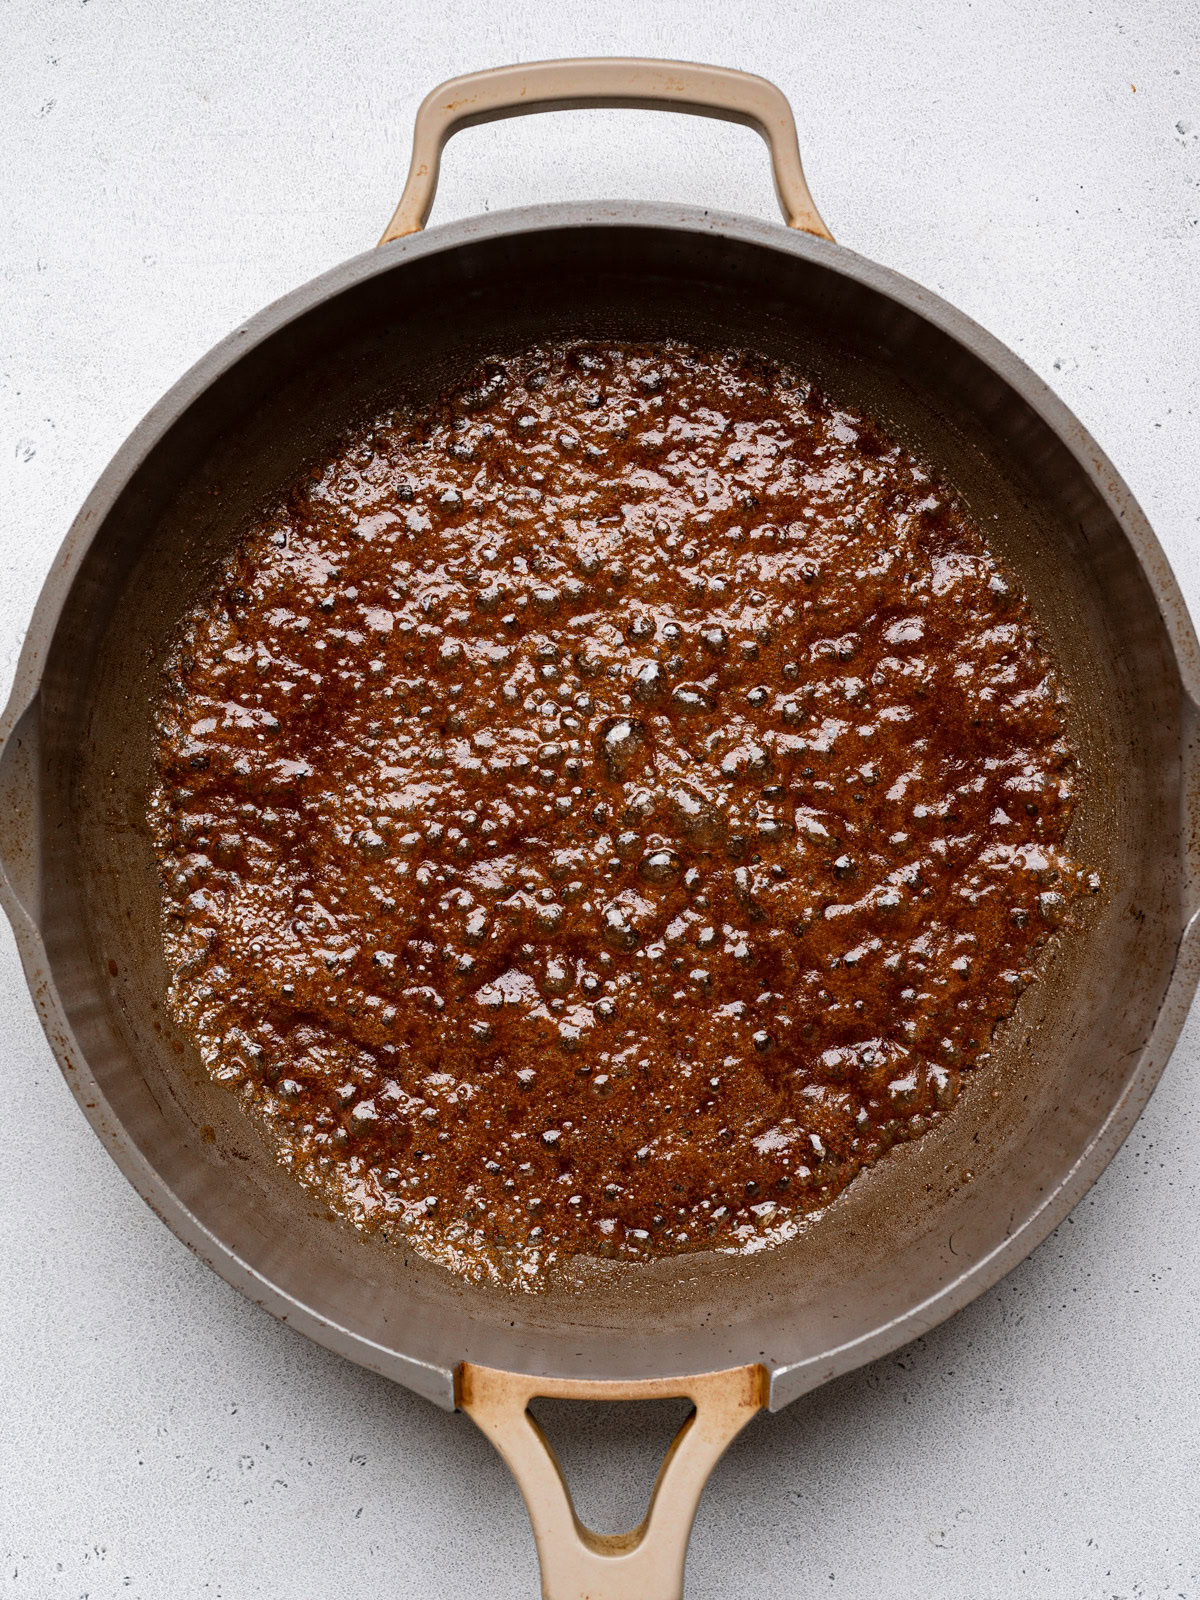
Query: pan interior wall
{"points": [[399, 337]]}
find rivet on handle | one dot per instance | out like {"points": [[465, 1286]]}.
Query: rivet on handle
{"points": [[642, 85]]}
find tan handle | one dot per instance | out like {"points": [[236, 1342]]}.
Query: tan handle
{"points": [[646, 1564], [614, 81]]}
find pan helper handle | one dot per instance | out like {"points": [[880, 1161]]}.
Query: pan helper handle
{"points": [[646, 1564], [642, 85]]}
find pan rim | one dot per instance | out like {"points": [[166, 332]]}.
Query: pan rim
{"points": [[788, 1381]]}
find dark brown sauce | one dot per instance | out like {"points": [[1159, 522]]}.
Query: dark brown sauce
{"points": [[604, 815]]}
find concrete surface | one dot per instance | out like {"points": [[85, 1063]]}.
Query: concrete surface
{"points": [[167, 169]]}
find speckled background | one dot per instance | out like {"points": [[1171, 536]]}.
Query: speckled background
{"points": [[168, 169]]}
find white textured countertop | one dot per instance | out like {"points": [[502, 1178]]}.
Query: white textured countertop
{"points": [[167, 170]]}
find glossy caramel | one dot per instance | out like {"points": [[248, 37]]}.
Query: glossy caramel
{"points": [[601, 816]]}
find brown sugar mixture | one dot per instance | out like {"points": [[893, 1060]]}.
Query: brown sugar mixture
{"points": [[601, 816]]}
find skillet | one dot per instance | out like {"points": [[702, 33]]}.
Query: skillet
{"points": [[912, 1240]]}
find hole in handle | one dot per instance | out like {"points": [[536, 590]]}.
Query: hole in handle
{"points": [[610, 1455]]}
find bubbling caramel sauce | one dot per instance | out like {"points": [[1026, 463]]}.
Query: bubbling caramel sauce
{"points": [[602, 815]]}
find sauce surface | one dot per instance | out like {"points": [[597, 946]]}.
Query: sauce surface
{"points": [[602, 815]]}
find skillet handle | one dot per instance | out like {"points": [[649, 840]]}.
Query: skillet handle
{"points": [[621, 81], [648, 1562]]}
